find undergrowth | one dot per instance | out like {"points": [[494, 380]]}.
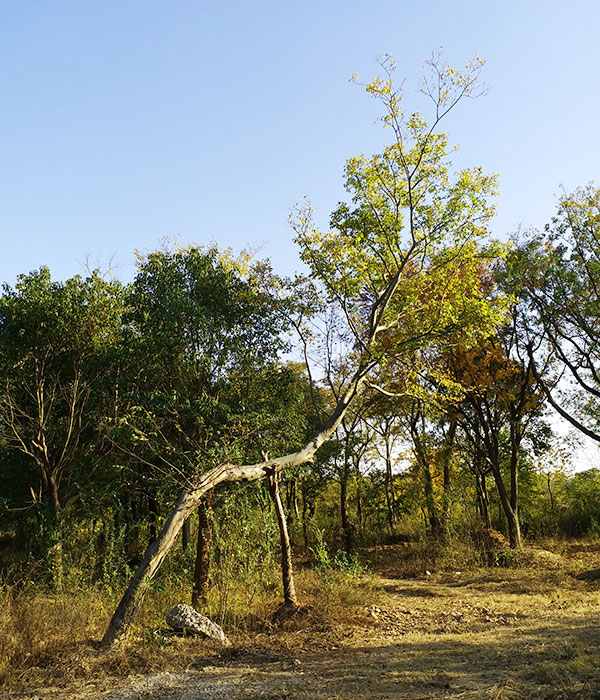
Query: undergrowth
{"points": [[52, 638]]}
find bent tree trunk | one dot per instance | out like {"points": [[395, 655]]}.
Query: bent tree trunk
{"points": [[189, 500]]}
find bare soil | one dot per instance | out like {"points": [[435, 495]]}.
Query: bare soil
{"points": [[530, 632]]}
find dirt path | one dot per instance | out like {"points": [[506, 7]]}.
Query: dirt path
{"points": [[502, 634]]}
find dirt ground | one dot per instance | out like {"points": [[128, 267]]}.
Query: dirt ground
{"points": [[511, 634]]}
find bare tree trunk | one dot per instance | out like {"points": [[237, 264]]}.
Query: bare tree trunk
{"points": [[483, 501], [552, 505], [190, 498], [515, 442], [291, 498], [389, 483], [447, 459], [153, 511], [359, 508], [186, 534], [287, 574], [308, 510], [346, 524], [434, 522], [514, 528], [202, 565]]}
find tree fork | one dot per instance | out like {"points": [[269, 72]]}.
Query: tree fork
{"points": [[189, 500]]}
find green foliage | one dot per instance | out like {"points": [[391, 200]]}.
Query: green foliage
{"points": [[204, 331], [558, 274], [112, 398], [341, 564], [245, 548], [405, 260], [580, 514]]}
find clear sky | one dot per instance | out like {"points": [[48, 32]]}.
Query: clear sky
{"points": [[122, 122]]}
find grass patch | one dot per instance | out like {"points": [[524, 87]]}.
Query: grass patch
{"points": [[527, 631]]}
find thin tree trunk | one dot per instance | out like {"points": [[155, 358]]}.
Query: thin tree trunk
{"points": [[346, 525], [483, 501], [308, 510], [287, 573], [434, 524], [304, 523], [359, 509], [185, 534], [552, 506], [292, 499], [389, 483], [514, 529], [153, 510], [515, 442], [446, 460], [189, 499], [202, 565]]}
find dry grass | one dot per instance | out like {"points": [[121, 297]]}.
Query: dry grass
{"points": [[526, 632]]}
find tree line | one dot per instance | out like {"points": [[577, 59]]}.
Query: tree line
{"points": [[400, 387]]}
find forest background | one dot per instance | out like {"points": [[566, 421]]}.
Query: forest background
{"points": [[425, 348]]}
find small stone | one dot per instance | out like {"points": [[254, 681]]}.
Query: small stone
{"points": [[183, 617]]}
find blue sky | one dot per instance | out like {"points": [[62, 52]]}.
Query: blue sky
{"points": [[124, 122]]}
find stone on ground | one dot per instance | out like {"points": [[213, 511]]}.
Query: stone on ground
{"points": [[183, 617]]}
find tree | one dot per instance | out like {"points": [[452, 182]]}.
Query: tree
{"points": [[561, 269], [204, 333], [56, 345], [405, 255], [501, 406]]}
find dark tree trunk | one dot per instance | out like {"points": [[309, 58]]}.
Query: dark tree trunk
{"points": [[359, 510], [292, 499], [308, 510], [153, 512], [186, 532], [202, 565], [514, 529], [552, 505], [189, 500], [515, 443], [483, 501], [487, 423], [389, 484], [434, 523], [446, 462], [346, 524]]}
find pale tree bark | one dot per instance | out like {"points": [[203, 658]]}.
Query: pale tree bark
{"points": [[287, 573], [399, 258], [189, 500]]}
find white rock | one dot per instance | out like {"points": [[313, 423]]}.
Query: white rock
{"points": [[184, 617]]}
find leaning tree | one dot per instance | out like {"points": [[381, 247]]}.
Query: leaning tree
{"points": [[404, 253]]}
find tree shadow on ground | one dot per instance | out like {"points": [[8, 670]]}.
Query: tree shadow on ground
{"points": [[553, 661]]}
